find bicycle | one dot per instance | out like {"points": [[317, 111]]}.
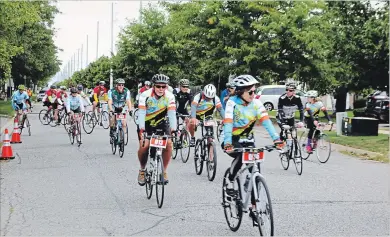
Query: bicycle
{"points": [[290, 136], [25, 123], [119, 138], [239, 197], [200, 145], [181, 140], [75, 130], [135, 116], [154, 173], [318, 138], [101, 117], [88, 123], [219, 129], [46, 117]]}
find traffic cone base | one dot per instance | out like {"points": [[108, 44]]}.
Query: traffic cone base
{"points": [[6, 149]]}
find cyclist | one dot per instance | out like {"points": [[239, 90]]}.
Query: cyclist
{"points": [[145, 87], [19, 99], [242, 112], [313, 108], [50, 100], [183, 98], [227, 93], [287, 105], [203, 105], [74, 104], [118, 97], [80, 91], [99, 95], [30, 94], [155, 105]]}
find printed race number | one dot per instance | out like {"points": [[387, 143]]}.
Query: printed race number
{"points": [[121, 116], [161, 143], [248, 157]]}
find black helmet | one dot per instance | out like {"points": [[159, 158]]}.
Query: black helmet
{"points": [[73, 90]]}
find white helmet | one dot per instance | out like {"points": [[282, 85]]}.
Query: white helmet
{"points": [[312, 93], [244, 81], [147, 83], [209, 91]]}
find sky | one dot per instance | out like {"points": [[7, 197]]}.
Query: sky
{"points": [[79, 19]]}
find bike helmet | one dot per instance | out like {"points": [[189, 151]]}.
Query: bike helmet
{"points": [[120, 81], [63, 87], [209, 91], [229, 84], [53, 87], [291, 85], [244, 81], [80, 87], [147, 83], [73, 90], [184, 82], [21, 87], [312, 94], [102, 83], [160, 78]]}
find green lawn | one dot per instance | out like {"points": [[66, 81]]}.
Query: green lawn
{"points": [[378, 144], [5, 108], [322, 116]]}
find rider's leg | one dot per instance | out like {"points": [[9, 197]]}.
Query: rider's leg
{"points": [[143, 159]]}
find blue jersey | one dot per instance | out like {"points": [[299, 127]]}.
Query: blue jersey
{"points": [[241, 117], [74, 103], [19, 99]]}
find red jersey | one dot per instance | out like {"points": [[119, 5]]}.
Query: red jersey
{"points": [[61, 95], [143, 89], [100, 92], [52, 93]]}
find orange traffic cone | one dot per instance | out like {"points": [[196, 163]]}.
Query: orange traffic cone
{"points": [[6, 149], [16, 135]]}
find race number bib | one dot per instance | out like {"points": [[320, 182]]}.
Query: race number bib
{"points": [[158, 142], [249, 157]]}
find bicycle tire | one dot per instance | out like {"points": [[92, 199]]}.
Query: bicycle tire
{"points": [[43, 117], [219, 131], [211, 169], [296, 152], [70, 134], [88, 124], [260, 179], [113, 144], [284, 160], [198, 158], [105, 119], [127, 134], [135, 116], [185, 144], [302, 144], [78, 136], [226, 205], [160, 181], [28, 125], [93, 118], [148, 183], [326, 139], [174, 147], [121, 145]]}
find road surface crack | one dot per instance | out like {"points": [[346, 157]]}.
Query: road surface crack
{"points": [[121, 208]]}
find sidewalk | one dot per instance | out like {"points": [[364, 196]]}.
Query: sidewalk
{"points": [[5, 122]]}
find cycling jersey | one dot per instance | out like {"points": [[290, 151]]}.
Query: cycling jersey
{"points": [[99, 94], [200, 107], [241, 117], [314, 109], [153, 110], [18, 100], [143, 89], [75, 104], [50, 96], [119, 99], [62, 95], [287, 107], [182, 100]]}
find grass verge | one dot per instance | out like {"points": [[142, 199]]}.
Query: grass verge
{"points": [[321, 118], [6, 108]]}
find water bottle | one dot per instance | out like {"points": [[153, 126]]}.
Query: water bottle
{"points": [[246, 183]]}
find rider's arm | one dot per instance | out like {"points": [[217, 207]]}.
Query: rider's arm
{"points": [[280, 109], [172, 111], [128, 100], [263, 117], [95, 95], [194, 105], [82, 109], [323, 109], [142, 111], [219, 107], [228, 122], [300, 108], [68, 105], [110, 100]]}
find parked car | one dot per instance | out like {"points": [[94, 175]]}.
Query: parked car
{"points": [[41, 94], [269, 95], [378, 105]]}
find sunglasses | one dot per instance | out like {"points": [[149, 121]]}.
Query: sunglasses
{"points": [[231, 88], [251, 92], [291, 90], [120, 84], [159, 87], [184, 86]]}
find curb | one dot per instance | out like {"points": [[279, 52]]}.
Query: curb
{"points": [[8, 124]]}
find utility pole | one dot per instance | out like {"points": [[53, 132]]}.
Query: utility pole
{"points": [[81, 57], [86, 57], [78, 59], [97, 41], [112, 44], [140, 11]]}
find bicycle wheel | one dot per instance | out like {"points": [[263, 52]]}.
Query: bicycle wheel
{"points": [[284, 160], [160, 182], [185, 145], [174, 147], [66, 123], [121, 144], [127, 134], [62, 117], [232, 206], [296, 155], [149, 185], [71, 134], [264, 213], [78, 133], [219, 131], [323, 148], [211, 163], [135, 116], [105, 120], [93, 118], [198, 157], [302, 145], [53, 122], [28, 126], [43, 117], [88, 124]]}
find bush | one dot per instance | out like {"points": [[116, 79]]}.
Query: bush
{"points": [[360, 103]]}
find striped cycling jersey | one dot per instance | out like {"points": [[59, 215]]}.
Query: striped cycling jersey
{"points": [[240, 118], [315, 108], [153, 110], [201, 107]]}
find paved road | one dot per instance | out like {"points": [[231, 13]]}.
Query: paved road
{"points": [[54, 188]]}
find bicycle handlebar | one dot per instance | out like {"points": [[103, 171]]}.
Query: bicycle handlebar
{"points": [[268, 148]]}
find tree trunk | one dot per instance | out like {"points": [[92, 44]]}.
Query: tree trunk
{"points": [[341, 99]]}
